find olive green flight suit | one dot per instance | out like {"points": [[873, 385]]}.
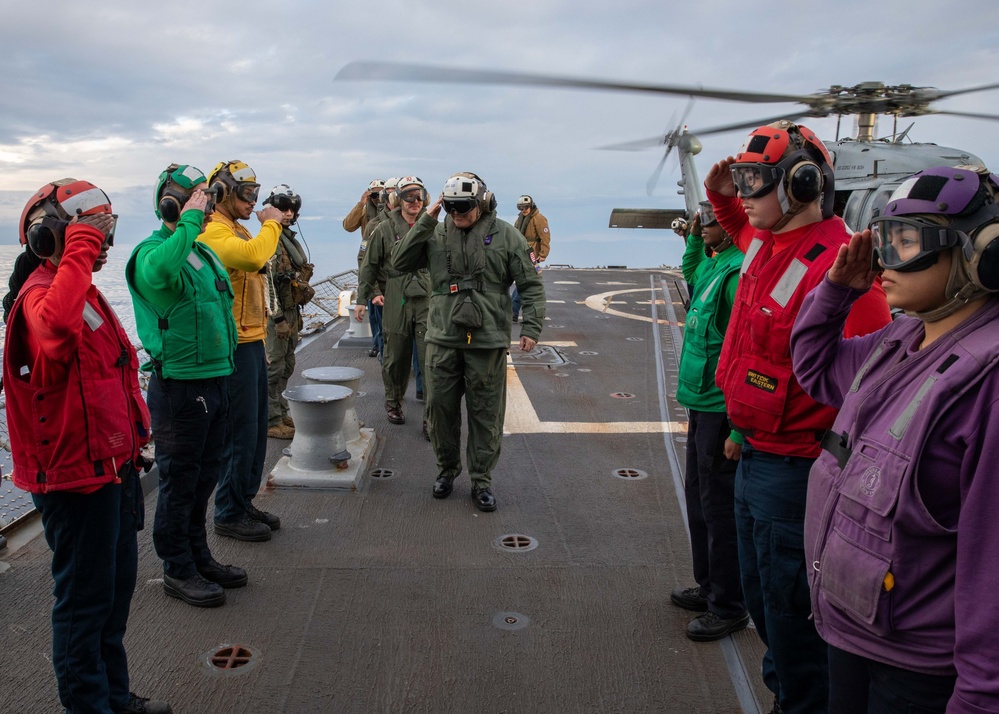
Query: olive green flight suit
{"points": [[476, 266], [404, 315]]}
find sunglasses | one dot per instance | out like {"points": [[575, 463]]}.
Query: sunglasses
{"points": [[459, 205], [412, 196], [284, 202]]}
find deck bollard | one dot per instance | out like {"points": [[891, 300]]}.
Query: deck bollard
{"points": [[349, 377], [318, 411], [357, 334]]}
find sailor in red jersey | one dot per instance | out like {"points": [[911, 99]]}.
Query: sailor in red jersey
{"points": [[77, 420], [775, 199]]}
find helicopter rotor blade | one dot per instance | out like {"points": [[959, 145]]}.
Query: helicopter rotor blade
{"points": [[651, 143], [395, 71], [955, 92], [650, 185], [970, 115], [748, 124]]}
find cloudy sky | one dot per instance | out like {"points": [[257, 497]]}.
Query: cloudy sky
{"points": [[113, 91]]}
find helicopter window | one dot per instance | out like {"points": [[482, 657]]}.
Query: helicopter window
{"points": [[853, 213]]}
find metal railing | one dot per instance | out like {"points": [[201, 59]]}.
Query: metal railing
{"points": [[16, 505]]}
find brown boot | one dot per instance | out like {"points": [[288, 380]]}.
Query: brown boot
{"points": [[281, 431], [286, 420]]}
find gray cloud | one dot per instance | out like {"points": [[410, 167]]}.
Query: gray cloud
{"points": [[115, 93]]}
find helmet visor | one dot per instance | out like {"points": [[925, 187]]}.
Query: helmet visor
{"points": [[284, 202], [755, 180], [459, 205], [248, 192], [908, 244]]}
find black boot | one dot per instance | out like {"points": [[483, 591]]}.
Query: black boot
{"points": [[484, 499], [195, 590], [443, 486]]}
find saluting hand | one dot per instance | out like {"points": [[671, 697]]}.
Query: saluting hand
{"points": [[719, 178], [103, 222], [196, 201], [435, 208], [695, 227], [853, 264]]}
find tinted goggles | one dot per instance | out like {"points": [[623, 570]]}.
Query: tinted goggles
{"points": [[412, 196], [284, 202], [247, 191], [909, 244], [755, 180], [459, 205]]}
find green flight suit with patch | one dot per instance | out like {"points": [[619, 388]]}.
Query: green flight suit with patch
{"points": [[471, 272]]}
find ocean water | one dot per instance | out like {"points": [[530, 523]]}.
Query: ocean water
{"points": [[110, 280]]}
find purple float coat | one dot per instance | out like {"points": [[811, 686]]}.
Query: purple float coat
{"points": [[901, 528]]}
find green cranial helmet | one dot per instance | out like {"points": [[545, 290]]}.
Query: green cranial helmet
{"points": [[173, 188]]}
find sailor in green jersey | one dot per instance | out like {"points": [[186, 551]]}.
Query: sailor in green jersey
{"points": [[710, 475], [183, 312]]}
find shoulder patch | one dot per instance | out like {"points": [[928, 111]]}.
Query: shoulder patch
{"points": [[545, 230]]}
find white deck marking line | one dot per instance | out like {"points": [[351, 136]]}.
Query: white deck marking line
{"points": [[552, 343], [522, 419], [601, 303]]}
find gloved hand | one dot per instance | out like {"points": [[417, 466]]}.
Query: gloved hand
{"points": [[282, 329]]}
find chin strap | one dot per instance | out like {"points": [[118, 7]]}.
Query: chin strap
{"points": [[959, 285]]}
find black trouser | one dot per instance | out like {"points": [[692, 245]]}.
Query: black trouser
{"points": [[710, 495], [94, 560], [190, 426], [858, 685]]}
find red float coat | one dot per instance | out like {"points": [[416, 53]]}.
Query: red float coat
{"points": [[74, 409], [762, 396]]}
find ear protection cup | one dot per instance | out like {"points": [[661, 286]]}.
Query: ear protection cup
{"points": [[804, 182], [488, 202], [42, 241], [983, 268], [220, 192], [170, 209]]}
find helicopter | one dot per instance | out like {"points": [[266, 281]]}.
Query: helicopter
{"points": [[867, 169]]}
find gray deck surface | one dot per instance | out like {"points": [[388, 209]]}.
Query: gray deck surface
{"points": [[386, 600]]}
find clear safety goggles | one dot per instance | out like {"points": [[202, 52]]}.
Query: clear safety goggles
{"points": [[755, 180], [909, 244], [412, 196], [248, 192]]}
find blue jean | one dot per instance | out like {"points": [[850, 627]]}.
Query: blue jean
{"points": [[858, 685], [709, 485], [770, 520], [243, 459], [375, 320], [94, 561], [515, 298], [190, 420]]}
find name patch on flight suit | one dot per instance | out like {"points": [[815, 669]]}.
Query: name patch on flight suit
{"points": [[761, 381]]}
